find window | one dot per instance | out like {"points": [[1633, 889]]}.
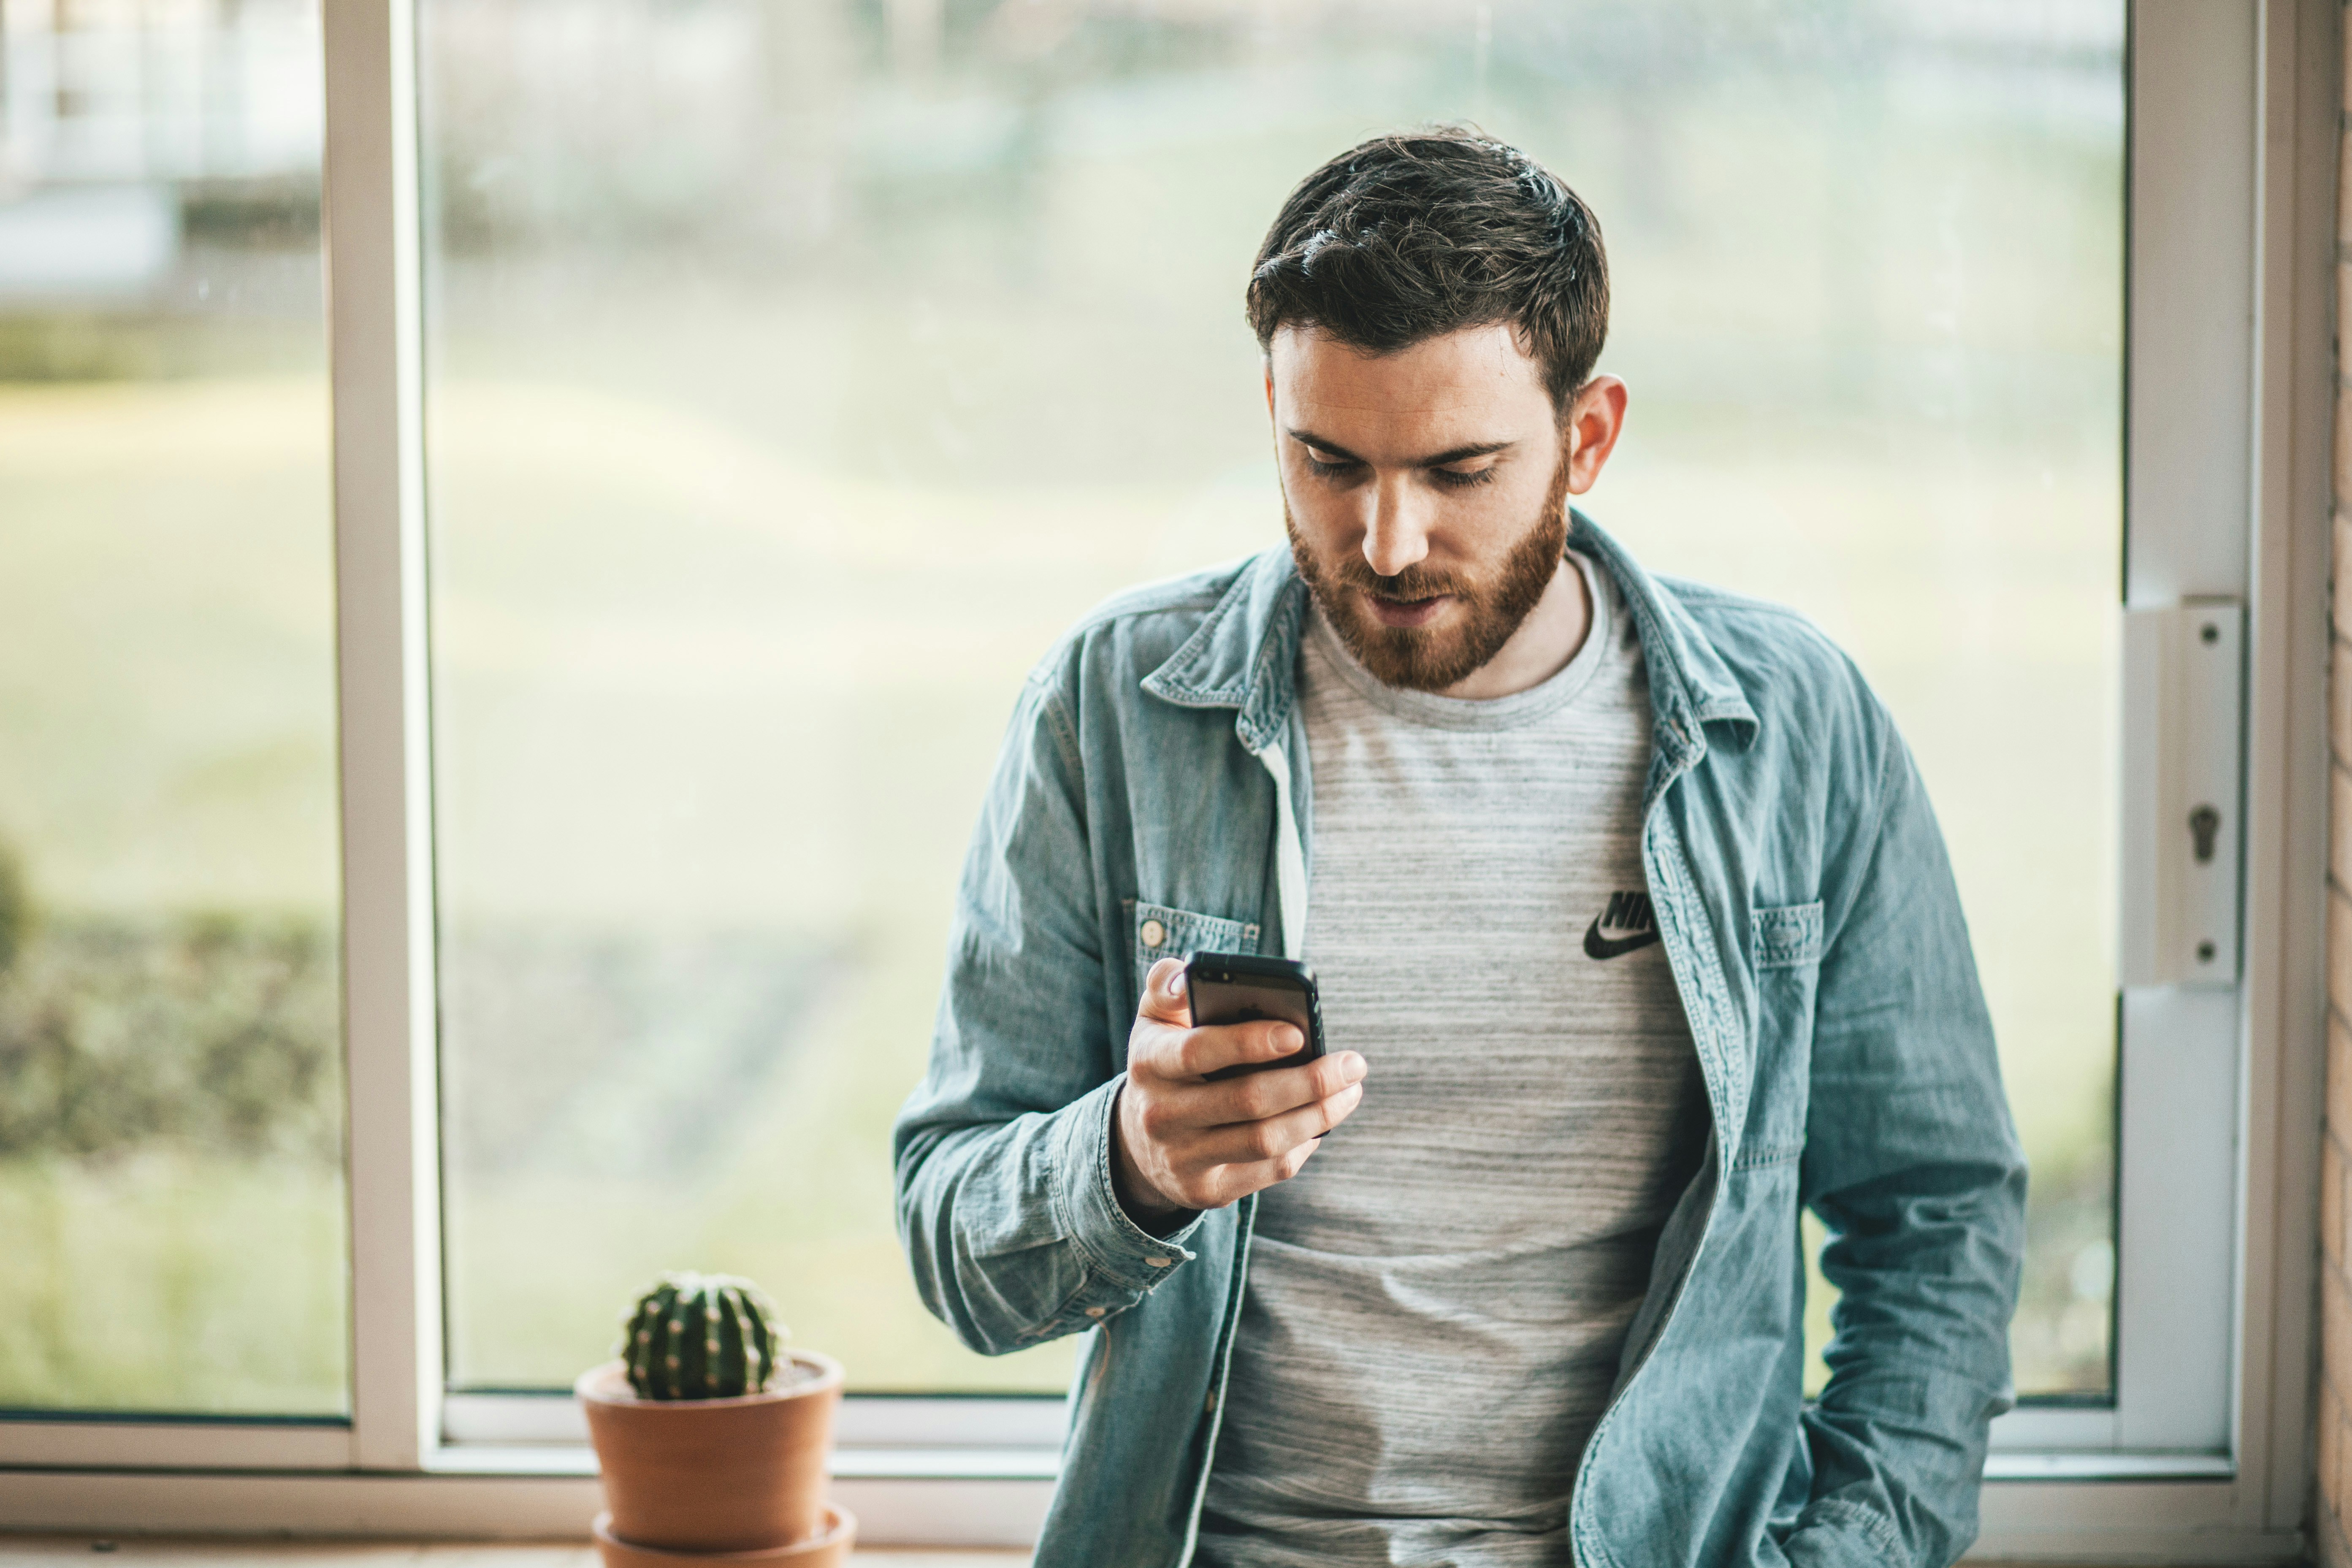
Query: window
{"points": [[170, 1086], [785, 399], [732, 401]]}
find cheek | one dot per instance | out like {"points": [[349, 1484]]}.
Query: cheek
{"points": [[1478, 528], [1530, 488], [1500, 511], [1319, 511]]}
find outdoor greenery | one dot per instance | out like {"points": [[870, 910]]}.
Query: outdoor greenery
{"points": [[173, 1281], [15, 907], [170, 1129], [214, 1036]]}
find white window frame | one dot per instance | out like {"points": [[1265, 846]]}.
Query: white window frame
{"points": [[2230, 375]]}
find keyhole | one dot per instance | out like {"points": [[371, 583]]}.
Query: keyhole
{"points": [[2204, 823]]}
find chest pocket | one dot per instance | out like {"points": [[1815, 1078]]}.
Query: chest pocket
{"points": [[1788, 948], [1162, 932], [1788, 937]]}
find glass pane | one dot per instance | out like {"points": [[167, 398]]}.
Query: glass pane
{"points": [[171, 1100], [799, 372]]}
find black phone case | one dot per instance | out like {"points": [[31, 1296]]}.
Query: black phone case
{"points": [[1238, 987]]}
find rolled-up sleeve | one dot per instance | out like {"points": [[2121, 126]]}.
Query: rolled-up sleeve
{"points": [[1001, 1153]]}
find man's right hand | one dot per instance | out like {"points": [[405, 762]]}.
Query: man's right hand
{"points": [[1180, 1143]]}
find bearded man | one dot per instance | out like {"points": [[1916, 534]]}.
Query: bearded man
{"points": [[1635, 937]]}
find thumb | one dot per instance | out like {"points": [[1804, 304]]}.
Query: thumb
{"points": [[1164, 1000]]}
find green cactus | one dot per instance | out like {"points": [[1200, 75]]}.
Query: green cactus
{"points": [[702, 1336]]}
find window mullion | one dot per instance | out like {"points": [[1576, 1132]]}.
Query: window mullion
{"points": [[2194, 112], [371, 205]]}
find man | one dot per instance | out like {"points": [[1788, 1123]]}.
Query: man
{"points": [[1635, 935]]}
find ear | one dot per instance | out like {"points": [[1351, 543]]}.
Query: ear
{"points": [[1594, 421], [1268, 362]]}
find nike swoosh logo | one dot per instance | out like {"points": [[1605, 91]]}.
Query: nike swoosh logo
{"points": [[1598, 946]]}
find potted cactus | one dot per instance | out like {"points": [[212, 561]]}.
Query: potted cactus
{"points": [[711, 1435]]}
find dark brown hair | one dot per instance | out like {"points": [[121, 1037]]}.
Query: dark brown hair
{"points": [[1409, 236]]}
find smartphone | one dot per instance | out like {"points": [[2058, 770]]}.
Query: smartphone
{"points": [[1239, 987]]}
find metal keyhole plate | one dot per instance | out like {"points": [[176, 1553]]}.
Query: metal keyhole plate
{"points": [[2204, 823]]}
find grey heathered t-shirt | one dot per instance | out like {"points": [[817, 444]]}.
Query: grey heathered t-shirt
{"points": [[1436, 1304]]}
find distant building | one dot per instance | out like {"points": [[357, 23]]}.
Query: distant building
{"points": [[116, 115]]}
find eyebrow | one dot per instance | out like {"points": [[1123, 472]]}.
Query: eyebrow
{"points": [[1437, 460]]}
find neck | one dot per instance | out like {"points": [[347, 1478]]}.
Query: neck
{"points": [[1550, 636]]}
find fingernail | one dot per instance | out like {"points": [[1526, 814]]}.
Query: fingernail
{"points": [[1352, 1066], [1176, 984]]}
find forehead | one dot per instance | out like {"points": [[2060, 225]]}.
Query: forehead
{"points": [[1476, 385]]}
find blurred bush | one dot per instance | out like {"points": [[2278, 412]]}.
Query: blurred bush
{"points": [[217, 1034], [14, 913]]}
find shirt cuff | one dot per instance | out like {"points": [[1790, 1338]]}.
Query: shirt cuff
{"points": [[1092, 1214], [1835, 1534]]}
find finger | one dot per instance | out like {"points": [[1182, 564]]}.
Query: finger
{"points": [[1342, 1105], [1163, 994], [1255, 1143], [1230, 1183], [1278, 1090], [1214, 1045], [1281, 1168], [1183, 1055]]}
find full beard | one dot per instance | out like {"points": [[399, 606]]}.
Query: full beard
{"points": [[1421, 659]]}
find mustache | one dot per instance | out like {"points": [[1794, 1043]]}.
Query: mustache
{"points": [[1413, 583]]}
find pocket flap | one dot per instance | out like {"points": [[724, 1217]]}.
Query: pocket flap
{"points": [[1163, 931], [1788, 936]]}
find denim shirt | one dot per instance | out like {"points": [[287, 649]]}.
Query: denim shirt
{"points": [[1155, 770]]}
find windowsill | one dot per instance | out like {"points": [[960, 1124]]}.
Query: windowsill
{"points": [[58, 1551], [1044, 1464], [2095, 1467], [2179, 1508], [972, 1464]]}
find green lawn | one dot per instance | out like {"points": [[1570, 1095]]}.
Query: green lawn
{"points": [[172, 1283]]}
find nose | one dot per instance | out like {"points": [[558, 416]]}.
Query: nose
{"points": [[1398, 533]]}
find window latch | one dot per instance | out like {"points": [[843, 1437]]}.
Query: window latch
{"points": [[2183, 696], [2204, 823]]}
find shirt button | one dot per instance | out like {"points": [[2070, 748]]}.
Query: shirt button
{"points": [[1095, 1311], [1156, 1262], [1154, 933]]}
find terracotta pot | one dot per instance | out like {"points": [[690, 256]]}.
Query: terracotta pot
{"points": [[829, 1549], [714, 1475]]}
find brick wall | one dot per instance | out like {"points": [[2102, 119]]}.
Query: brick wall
{"points": [[2334, 1448]]}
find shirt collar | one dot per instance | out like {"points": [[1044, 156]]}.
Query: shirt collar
{"points": [[1244, 655]]}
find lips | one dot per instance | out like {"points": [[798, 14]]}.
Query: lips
{"points": [[1408, 613]]}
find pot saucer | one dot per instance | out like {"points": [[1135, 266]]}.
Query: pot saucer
{"points": [[829, 1548]]}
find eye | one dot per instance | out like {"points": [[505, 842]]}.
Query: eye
{"points": [[1463, 478], [1328, 465]]}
